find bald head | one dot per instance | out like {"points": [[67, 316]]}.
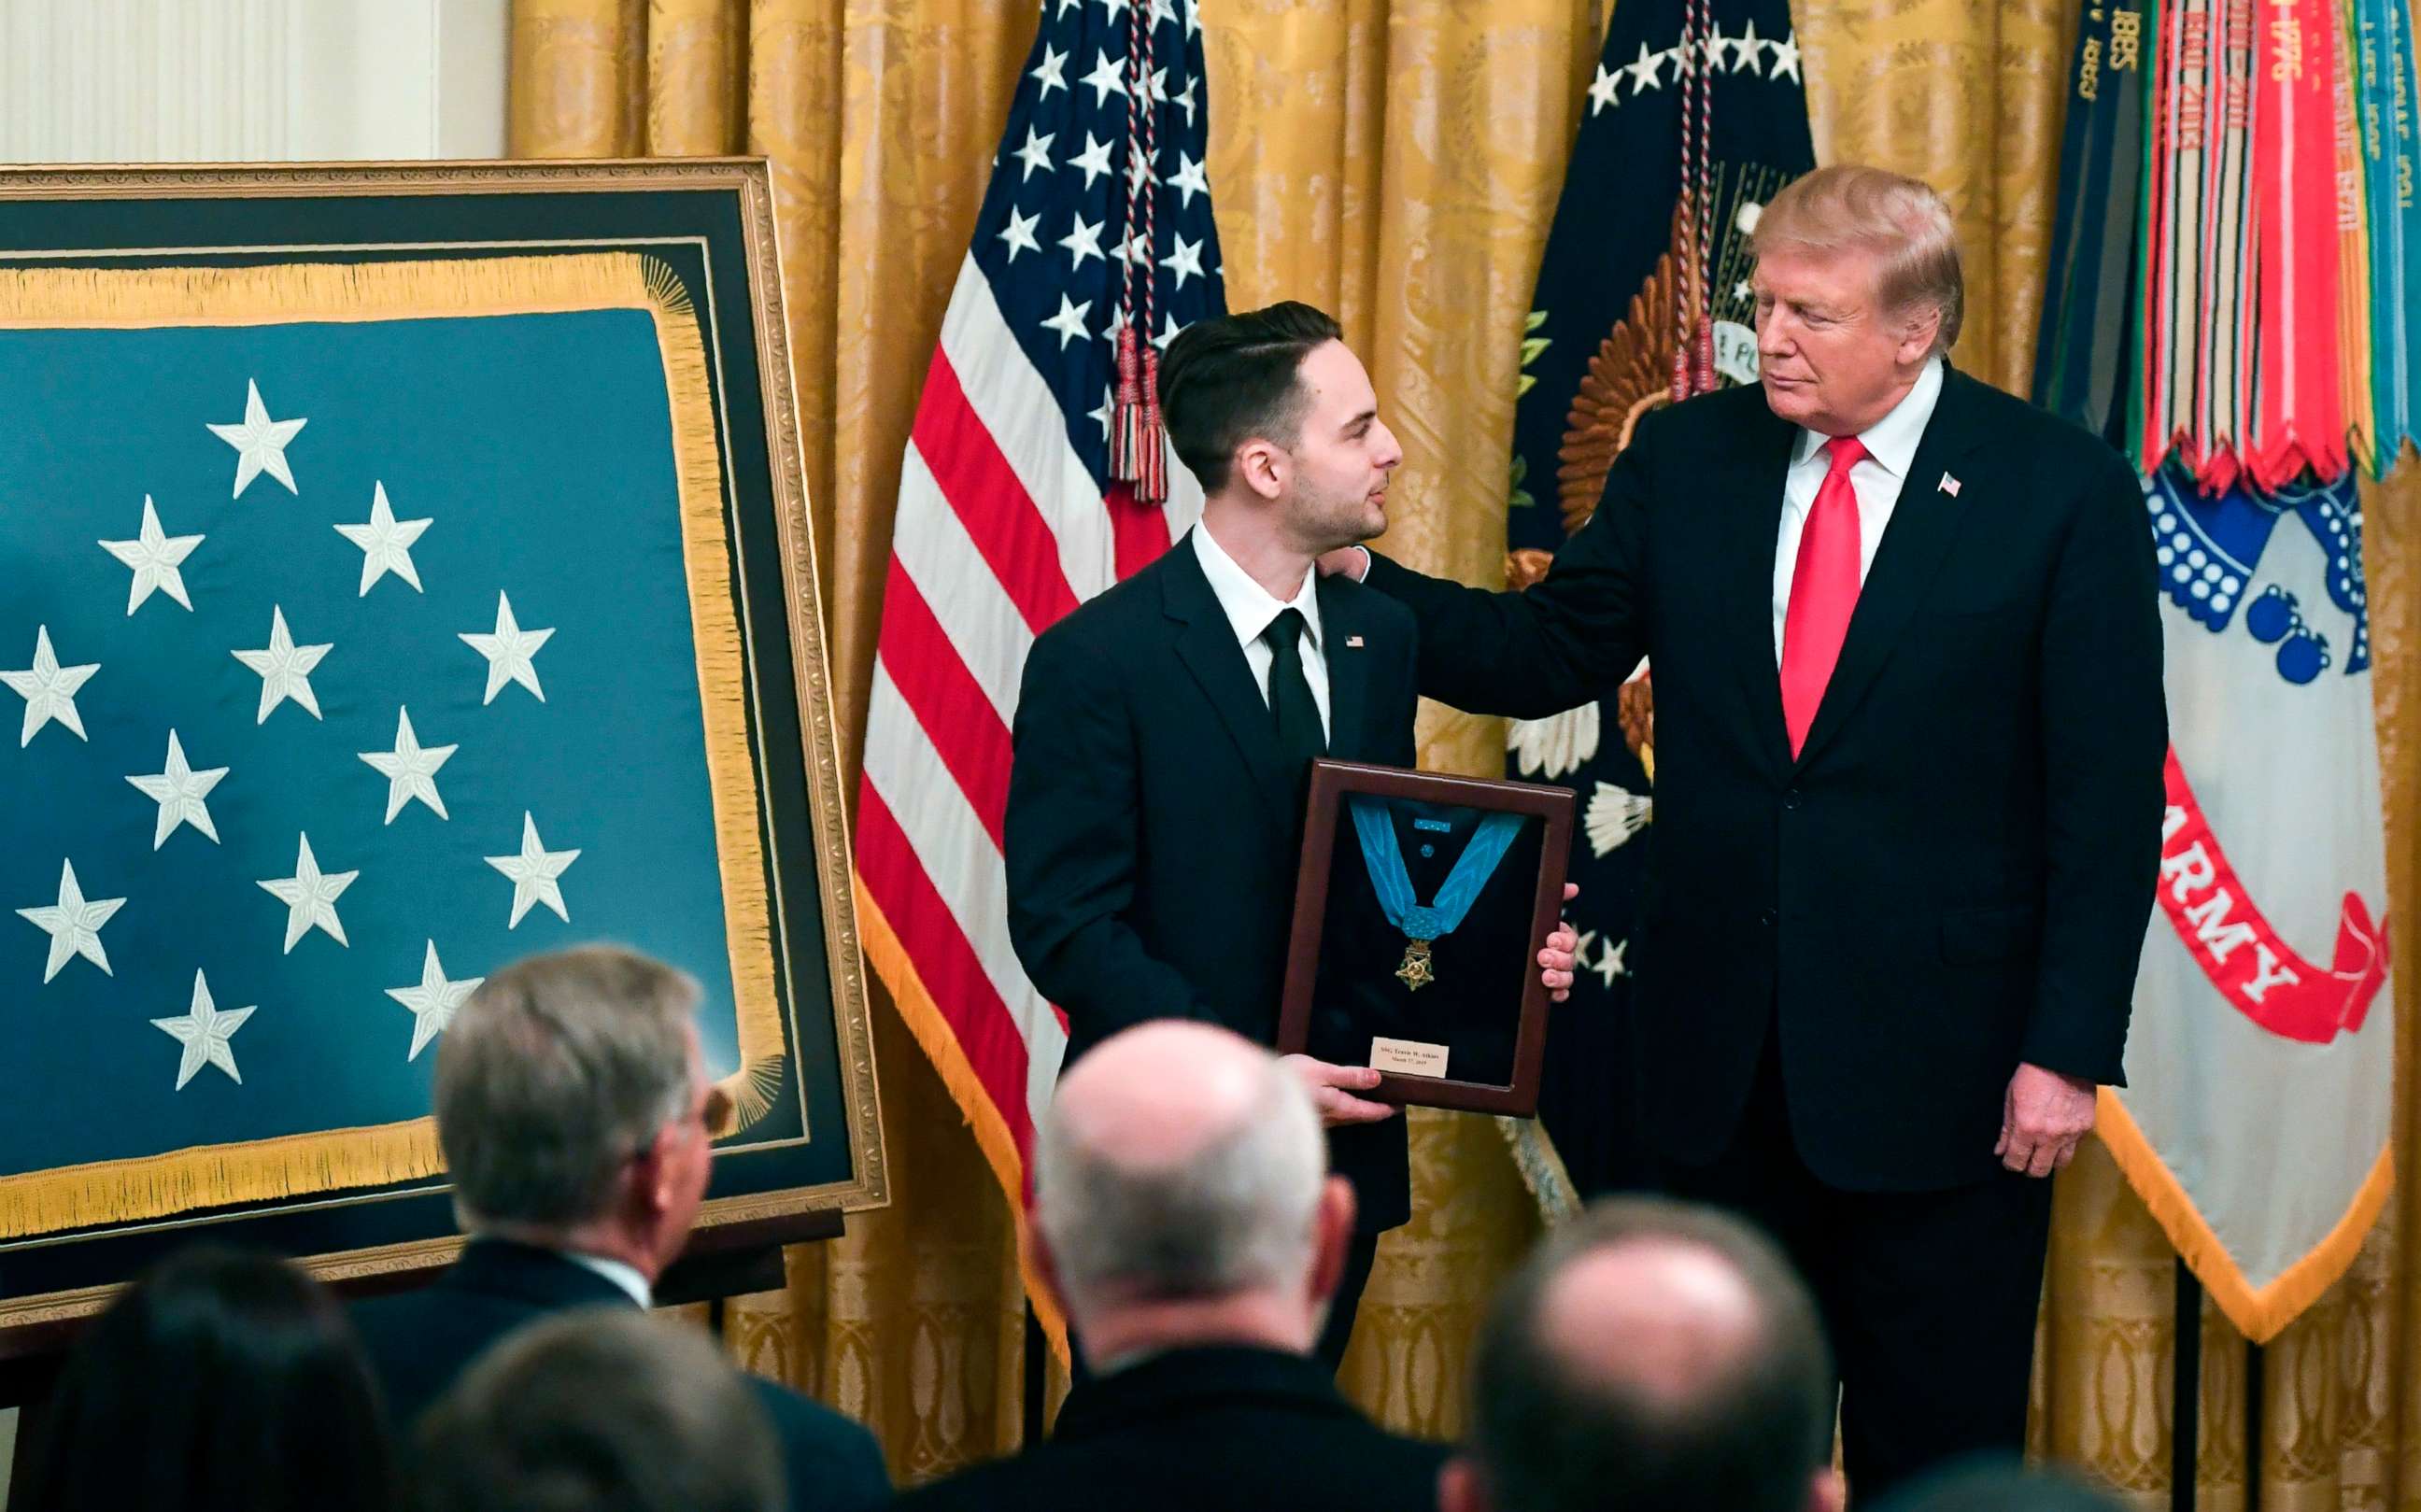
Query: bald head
{"points": [[1155, 1096], [1652, 1355], [1180, 1161], [1665, 1320]]}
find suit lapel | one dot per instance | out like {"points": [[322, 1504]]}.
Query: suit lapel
{"points": [[1207, 645], [1924, 523], [1342, 647], [1760, 470]]}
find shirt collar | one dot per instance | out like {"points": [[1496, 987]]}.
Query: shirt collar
{"points": [[619, 1273], [1891, 441], [1249, 606]]}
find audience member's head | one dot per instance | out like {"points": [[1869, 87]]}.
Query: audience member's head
{"points": [[1181, 1197], [222, 1382], [606, 1410], [1998, 1485], [1650, 1357], [573, 1107], [1275, 415]]}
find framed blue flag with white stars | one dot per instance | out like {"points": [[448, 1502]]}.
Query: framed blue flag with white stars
{"points": [[402, 571]]}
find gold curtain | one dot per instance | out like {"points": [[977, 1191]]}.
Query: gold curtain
{"points": [[1396, 160]]}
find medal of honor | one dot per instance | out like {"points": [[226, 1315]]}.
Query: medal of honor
{"points": [[1383, 854]]}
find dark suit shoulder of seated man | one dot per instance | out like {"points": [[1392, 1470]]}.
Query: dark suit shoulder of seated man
{"points": [[1199, 1326], [573, 1110]]}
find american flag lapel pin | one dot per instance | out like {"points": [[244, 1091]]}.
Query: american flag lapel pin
{"points": [[1949, 485], [1353, 642]]}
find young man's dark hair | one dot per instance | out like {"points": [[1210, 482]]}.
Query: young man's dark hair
{"points": [[1701, 1382], [1225, 379]]}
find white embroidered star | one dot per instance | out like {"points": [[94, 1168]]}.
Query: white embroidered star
{"points": [[1786, 59], [409, 768], [1019, 233], [74, 924], [385, 542], [1035, 153], [1167, 333], [310, 898], [1185, 261], [1109, 77], [1161, 13], [1051, 73], [1609, 965], [1109, 408], [1093, 160], [179, 792], [285, 668], [204, 1030], [155, 558], [1111, 9], [49, 689], [1643, 74], [1602, 88], [533, 872], [1188, 179], [259, 441], [1185, 97], [1118, 321], [433, 1001], [1134, 252], [1069, 321], [1065, 6], [508, 650], [1747, 46], [1082, 242], [1193, 27]]}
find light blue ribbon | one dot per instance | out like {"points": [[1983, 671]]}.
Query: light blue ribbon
{"points": [[1385, 857]]}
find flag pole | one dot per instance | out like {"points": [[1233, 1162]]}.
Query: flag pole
{"points": [[2185, 1394]]}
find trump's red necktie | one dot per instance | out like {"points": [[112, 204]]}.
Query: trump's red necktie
{"points": [[1824, 591]]}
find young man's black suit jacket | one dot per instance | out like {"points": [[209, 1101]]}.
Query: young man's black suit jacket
{"points": [[1152, 839], [1199, 1429], [420, 1343], [1954, 875]]}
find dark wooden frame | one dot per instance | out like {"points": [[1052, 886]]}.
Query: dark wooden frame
{"points": [[1330, 782]]}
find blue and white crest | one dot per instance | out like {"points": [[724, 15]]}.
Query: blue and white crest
{"points": [[2210, 550]]}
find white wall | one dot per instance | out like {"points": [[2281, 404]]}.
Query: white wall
{"points": [[225, 81]]}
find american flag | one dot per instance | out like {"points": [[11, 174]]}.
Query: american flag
{"points": [[1008, 518]]}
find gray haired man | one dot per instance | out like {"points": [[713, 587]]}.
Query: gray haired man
{"points": [[574, 1109], [1186, 1221]]}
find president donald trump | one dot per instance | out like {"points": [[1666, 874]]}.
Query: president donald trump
{"points": [[1909, 738]]}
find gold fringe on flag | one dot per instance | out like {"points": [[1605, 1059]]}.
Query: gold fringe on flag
{"points": [[2259, 1313], [174, 1181]]}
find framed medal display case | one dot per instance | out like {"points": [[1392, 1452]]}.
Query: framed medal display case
{"points": [[1420, 907]]}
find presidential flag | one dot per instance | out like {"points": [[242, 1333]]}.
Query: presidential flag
{"points": [[348, 635], [1722, 113], [1009, 516]]}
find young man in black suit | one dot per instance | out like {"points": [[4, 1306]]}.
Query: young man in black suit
{"points": [[1909, 739], [1164, 731], [572, 1106], [1184, 1219]]}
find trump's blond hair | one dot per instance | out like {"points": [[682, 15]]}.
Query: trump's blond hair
{"points": [[1901, 222]]}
